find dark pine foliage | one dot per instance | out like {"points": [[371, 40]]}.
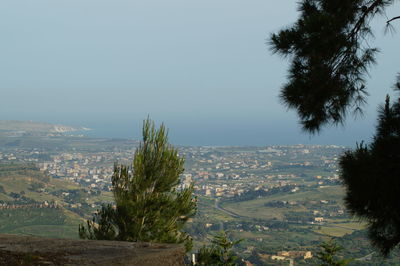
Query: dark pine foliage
{"points": [[371, 175], [330, 55]]}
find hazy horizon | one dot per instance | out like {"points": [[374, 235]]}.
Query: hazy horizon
{"points": [[202, 68], [223, 135]]}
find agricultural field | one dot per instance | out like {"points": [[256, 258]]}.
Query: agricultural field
{"points": [[35, 204]]}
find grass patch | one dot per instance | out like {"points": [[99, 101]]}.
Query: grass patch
{"points": [[334, 231], [256, 208]]}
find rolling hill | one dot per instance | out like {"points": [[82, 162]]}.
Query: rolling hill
{"points": [[35, 204]]}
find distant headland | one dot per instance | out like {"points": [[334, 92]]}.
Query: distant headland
{"points": [[31, 126]]}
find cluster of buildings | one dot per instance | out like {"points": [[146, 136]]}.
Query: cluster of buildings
{"points": [[26, 155], [229, 173], [214, 171], [88, 170], [291, 255]]}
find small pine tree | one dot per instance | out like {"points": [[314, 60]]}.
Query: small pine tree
{"points": [[327, 255], [219, 252], [149, 207]]}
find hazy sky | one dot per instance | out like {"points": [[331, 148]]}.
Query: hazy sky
{"points": [[202, 67]]}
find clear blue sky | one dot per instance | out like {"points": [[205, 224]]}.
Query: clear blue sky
{"points": [[202, 67]]}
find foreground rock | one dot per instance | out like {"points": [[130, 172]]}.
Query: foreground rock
{"points": [[29, 250]]}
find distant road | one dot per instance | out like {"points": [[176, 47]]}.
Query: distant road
{"points": [[226, 211]]}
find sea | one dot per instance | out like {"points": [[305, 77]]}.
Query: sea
{"points": [[239, 134]]}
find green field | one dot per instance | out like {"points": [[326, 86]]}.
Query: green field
{"points": [[257, 209], [293, 235], [24, 185], [339, 229], [56, 223]]}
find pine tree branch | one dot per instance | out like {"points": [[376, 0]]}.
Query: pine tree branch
{"points": [[394, 18], [366, 13], [354, 33]]}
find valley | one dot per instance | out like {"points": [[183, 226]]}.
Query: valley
{"points": [[277, 198]]}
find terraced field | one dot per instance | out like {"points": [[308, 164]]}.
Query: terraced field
{"points": [[30, 204]]}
